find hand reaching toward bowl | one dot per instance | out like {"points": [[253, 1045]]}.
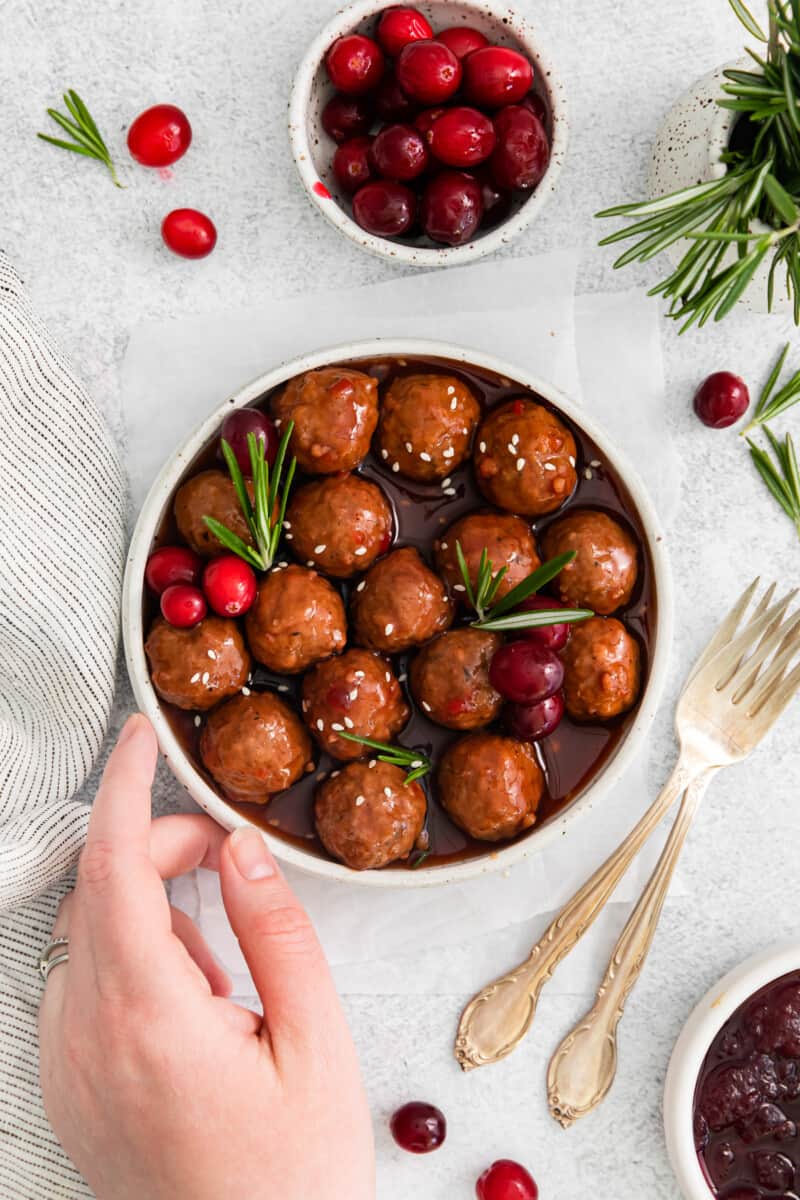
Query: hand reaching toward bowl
{"points": [[155, 1083]]}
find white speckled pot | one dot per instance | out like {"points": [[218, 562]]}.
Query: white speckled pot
{"points": [[313, 149]]}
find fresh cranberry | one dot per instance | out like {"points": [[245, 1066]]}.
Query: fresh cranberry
{"points": [[526, 672], [462, 40], [774, 1171], [452, 207], [238, 424], [461, 137], [355, 64], [391, 102], [351, 163], [189, 233], [424, 121], [399, 153], [159, 136], [183, 605], [230, 585], [721, 400], [497, 202], [428, 71], [536, 104], [554, 637], [172, 564], [399, 26], [384, 208], [522, 153], [419, 1127], [497, 75], [346, 117], [506, 1180], [734, 1092], [532, 722]]}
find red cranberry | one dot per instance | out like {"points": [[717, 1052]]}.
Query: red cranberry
{"points": [[230, 585], [355, 64], [351, 163], [526, 672], [391, 102], [399, 153], [497, 202], [235, 429], [183, 605], [497, 75], [159, 136], [425, 120], [554, 637], [536, 104], [532, 722], [399, 26], [462, 40], [461, 137], [452, 207], [721, 400], [428, 71], [346, 117], [189, 233], [384, 208], [522, 153], [172, 564], [506, 1180], [418, 1127]]}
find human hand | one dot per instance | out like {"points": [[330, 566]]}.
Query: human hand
{"points": [[156, 1084]]}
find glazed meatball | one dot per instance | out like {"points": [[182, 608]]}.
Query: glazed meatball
{"points": [[196, 668], [525, 459], [399, 604], [602, 670], [450, 679], [367, 816], [508, 541], [490, 785], [339, 525], [255, 746], [297, 619], [356, 693], [426, 425], [209, 494], [335, 411], [602, 576]]}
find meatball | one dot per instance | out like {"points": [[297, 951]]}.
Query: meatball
{"points": [[602, 576], [357, 693], [339, 525], [602, 669], [450, 679], [209, 494], [490, 785], [525, 460], [367, 815], [297, 619], [399, 604], [196, 668], [255, 746], [335, 411], [508, 541], [426, 425]]}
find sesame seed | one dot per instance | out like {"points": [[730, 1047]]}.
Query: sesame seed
{"points": [[388, 629], [465, 432], [426, 706], [198, 721], [320, 549], [334, 774], [588, 473], [246, 691], [446, 482], [362, 585], [360, 800], [283, 687], [278, 422], [206, 676], [520, 463], [572, 460], [451, 391], [195, 678], [453, 404], [443, 546], [359, 550], [373, 762], [416, 762], [289, 537], [388, 676], [348, 722], [515, 439], [395, 467], [402, 677], [549, 466], [595, 463], [336, 727], [212, 654], [459, 587], [448, 453], [305, 706], [319, 778], [409, 448], [358, 674], [425, 456], [511, 448], [287, 524], [387, 791], [320, 724], [482, 447], [449, 491], [311, 563], [384, 453], [354, 694]]}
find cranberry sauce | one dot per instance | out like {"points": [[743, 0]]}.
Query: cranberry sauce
{"points": [[575, 752], [747, 1102]]}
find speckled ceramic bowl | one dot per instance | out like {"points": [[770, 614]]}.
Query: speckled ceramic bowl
{"points": [[313, 149]]}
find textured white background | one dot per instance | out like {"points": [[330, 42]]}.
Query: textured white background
{"points": [[92, 258]]}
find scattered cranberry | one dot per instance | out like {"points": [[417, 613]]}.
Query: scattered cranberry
{"points": [[461, 137], [452, 207], [497, 202], [399, 153], [721, 400], [384, 208], [428, 71], [522, 153], [230, 585], [238, 424], [462, 40], [532, 722], [391, 102], [183, 605], [554, 637], [399, 26], [526, 672], [346, 117], [497, 75], [159, 136], [506, 1180], [189, 233], [355, 64], [424, 121], [170, 565], [351, 163], [418, 1127]]}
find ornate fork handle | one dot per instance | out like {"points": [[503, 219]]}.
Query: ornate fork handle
{"points": [[497, 1019]]}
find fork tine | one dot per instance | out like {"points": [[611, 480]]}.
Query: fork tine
{"points": [[779, 699], [729, 626], [773, 639], [758, 611], [717, 673], [777, 669]]}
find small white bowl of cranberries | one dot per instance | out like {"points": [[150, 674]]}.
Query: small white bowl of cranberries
{"points": [[429, 134]]}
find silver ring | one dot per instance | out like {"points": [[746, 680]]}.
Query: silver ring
{"points": [[48, 960]]}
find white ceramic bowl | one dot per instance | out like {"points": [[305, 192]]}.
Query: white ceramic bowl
{"points": [[155, 507], [720, 1003], [313, 149]]}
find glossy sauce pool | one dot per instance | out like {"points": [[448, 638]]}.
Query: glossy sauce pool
{"points": [[574, 753]]}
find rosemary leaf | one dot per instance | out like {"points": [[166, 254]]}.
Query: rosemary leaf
{"points": [[535, 619], [747, 19], [531, 584], [414, 761], [85, 137]]}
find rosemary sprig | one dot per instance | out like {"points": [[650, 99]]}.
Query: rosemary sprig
{"points": [[265, 513], [779, 472], [772, 403], [498, 617], [81, 128], [414, 762]]}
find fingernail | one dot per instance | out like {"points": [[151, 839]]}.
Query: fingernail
{"points": [[129, 729], [250, 854]]}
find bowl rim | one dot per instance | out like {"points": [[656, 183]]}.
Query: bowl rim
{"points": [[133, 633], [719, 1003], [343, 22]]}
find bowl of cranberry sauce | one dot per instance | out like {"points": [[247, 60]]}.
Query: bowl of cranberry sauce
{"points": [[732, 1099], [431, 134]]}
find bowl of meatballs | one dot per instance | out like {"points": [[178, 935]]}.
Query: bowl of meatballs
{"points": [[401, 606]]}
